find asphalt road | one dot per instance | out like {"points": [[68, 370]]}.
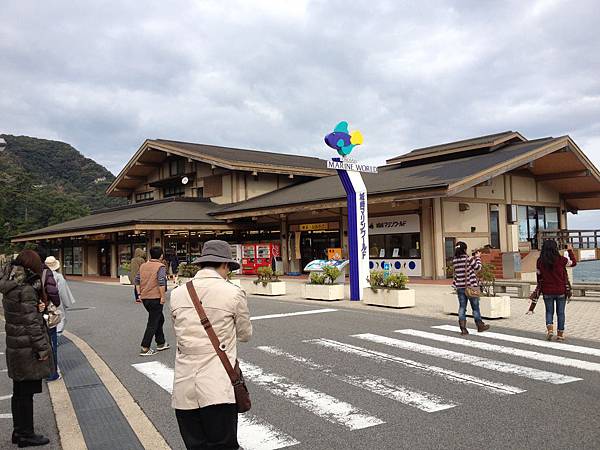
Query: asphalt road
{"points": [[319, 394]]}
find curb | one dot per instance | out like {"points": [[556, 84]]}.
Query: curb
{"points": [[144, 429]]}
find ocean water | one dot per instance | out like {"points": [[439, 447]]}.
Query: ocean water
{"points": [[586, 271]]}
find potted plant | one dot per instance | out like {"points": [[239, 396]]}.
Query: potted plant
{"points": [[185, 272], [268, 282], [490, 305], [124, 270], [232, 280], [322, 286], [389, 291]]}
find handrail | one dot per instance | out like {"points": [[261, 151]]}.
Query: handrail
{"points": [[587, 239]]}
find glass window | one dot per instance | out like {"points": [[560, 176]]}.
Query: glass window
{"points": [[552, 222], [174, 191], [523, 230], [405, 245], [77, 260], [176, 167], [143, 196]]}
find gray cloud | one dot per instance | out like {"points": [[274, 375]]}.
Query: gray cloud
{"points": [[273, 75]]}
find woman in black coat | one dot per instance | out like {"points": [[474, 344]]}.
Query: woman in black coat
{"points": [[28, 350]]}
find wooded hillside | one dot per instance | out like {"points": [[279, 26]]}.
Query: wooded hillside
{"points": [[44, 182]]}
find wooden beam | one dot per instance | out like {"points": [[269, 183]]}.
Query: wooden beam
{"points": [[564, 175], [135, 177], [148, 165], [580, 195]]}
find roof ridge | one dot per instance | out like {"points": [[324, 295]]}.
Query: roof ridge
{"points": [[241, 149], [148, 203]]}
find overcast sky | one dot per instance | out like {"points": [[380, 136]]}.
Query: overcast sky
{"points": [[278, 75]]}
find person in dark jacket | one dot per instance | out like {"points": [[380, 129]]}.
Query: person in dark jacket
{"points": [[51, 289], [554, 285], [28, 349]]}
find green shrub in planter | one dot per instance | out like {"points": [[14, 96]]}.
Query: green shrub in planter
{"points": [[487, 280], [331, 273], [377, 280], [317, 278], [266, 275], [187, 270], [126, 267]]}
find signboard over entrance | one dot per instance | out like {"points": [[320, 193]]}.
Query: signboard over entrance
{"points": [[314, 226], [408, 223]]}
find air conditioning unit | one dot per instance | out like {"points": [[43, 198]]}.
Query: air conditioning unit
{"points": [[462, 207]]}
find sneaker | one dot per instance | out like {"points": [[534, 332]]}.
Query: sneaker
{"points": [[165, 346], [148, 352]]}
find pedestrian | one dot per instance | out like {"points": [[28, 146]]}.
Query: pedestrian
{"points": [[467, 287], [51, 289], [151, 286], [67, 300], [203, 396], [553, 283], [139, 258], [28, 349]]}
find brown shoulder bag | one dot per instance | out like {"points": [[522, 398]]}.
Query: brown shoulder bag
{"points": [[242, 396]]}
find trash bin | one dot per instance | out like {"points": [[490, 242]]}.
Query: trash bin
{"points": [[511, 264], [277, 264]]}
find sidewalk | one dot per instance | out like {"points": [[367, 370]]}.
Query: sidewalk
{"points": [[581, 313]]}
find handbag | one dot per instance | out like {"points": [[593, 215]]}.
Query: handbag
{"points": [[568, 287], [472, 292], [242, 396], [53, 313]]}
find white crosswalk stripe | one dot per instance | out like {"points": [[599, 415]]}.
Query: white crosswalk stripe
{"points": [[294, 314], [449, 375], [253, 433], [499, 366], [319, 403], [6, 416], [5, 397], [558, 360], [529, 341], [421, 400]]}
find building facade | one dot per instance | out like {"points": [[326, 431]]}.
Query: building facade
{"points": [[499, 190]]}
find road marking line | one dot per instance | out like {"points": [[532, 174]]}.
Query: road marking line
{"points": [[529, 341], [319, 403], [449, 375], [69, 431], [473, 360], [6, 416], [5, 397], [253, 433], [3, 370], [299, 313], [559, 360], [418, 399]]}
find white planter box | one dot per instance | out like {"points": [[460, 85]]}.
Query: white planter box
{"points": [[394, 298], [276, 288], [490, 307], [124, 279], [182, 280], [323, 291], [236, 281]]}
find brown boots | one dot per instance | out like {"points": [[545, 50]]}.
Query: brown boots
{"points": [[549, 332], [482, 327], [560, 335]]}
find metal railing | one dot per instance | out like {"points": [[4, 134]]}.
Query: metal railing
{"points": [[581, 239]]}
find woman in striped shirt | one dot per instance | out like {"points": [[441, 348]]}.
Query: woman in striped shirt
{"points": [[465, 275]]}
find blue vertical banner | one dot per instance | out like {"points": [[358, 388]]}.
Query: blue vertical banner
{"points": [[356, 194]]}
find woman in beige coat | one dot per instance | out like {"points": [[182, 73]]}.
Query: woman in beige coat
{"points": [[203, 396]]}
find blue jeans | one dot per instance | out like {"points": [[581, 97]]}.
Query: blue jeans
{"points": [[462, 305], [54, 341], [561, 302]]}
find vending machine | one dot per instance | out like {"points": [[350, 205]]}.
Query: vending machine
{"points": [[236, 255], [258, 255], [249, 259]]}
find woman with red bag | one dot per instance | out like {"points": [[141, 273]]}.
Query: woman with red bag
{"points": [[553, 283]]}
